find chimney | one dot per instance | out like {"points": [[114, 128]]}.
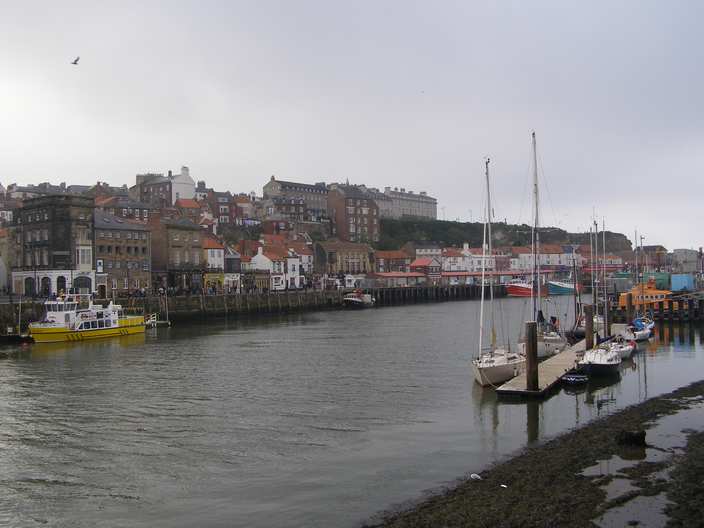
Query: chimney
{"points": [[170, 174]]}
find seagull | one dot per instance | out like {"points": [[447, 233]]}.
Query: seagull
{"points": [[75, 61]]}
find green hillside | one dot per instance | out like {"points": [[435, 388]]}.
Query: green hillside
{"points": [[395, 233]]}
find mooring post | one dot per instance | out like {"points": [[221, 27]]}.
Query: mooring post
{"points": [[629, 308], [532, 356], [589, 326]]}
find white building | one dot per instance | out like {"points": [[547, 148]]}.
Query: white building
{"points": [[409, 204], [283, 265], [182, 185]]}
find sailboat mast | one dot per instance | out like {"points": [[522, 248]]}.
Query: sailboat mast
{"points": [[536, 233], [596, 273], [603, 267], [489, 252], [486, 218]]}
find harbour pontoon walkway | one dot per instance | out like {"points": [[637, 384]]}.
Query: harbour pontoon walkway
{"points": [[549, 373]]}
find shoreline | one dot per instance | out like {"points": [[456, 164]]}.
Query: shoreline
{"points": [[546, 486]]}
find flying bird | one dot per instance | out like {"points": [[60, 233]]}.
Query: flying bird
{"points": [[75, 61]]}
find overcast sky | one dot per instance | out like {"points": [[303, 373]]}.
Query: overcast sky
{"points": [[397, 93]]}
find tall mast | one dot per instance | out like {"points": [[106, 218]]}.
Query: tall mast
{"points": [[489, 254], [536, 234], [486, 221], [603, 256], [596, 273]]}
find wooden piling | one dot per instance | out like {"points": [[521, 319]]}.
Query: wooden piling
{"points": [[532, 356], [589, 326], [629, 308]]}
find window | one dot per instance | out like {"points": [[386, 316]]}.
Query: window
{"points": [[45, 234], [196, 258], [117, 264], [114, 284], [109, 264], [126, 283], [144, 250], [129, 235]]}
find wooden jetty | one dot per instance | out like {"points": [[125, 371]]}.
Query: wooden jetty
{"points": [[549, 373]]}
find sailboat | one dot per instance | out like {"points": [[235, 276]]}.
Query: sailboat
{"points": [[550, 341], [495, 365]]}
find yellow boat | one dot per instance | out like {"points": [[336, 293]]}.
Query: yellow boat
{"points": [[65, 320], [647, 296]]}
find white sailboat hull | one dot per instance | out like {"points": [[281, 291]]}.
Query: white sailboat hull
{"points": [[498, 371]]}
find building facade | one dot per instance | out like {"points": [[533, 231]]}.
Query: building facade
{"points": [[334, 257], [409, 204], [315, 197], [177, 247], [54, 246], [122, 255], [354, 214]]}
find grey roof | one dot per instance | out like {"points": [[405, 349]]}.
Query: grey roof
{"points": [[304, 186], [102, 220], [183, 223]]}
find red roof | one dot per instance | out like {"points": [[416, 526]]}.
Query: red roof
{"points": [[274, 239], [299, 247], [451, 252], [397, 275], [425, 261], [391, 254], [187, 203], [245, 258], [275, 253], [211, 243]]}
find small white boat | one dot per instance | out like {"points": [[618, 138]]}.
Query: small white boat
{"points": [[601, 360], [549, 344], [623, 347], [497, 367], [630, 333], [358, 299]]}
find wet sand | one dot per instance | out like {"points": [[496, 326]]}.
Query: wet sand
{"points": [[584, 478]]}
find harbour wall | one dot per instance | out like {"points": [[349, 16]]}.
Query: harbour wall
{"points": [[190, 307]]}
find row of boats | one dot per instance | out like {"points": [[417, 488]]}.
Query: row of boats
{"points": [[495, 364]]}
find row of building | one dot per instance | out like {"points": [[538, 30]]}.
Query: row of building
{"points": [[348, 212], [63, 242]]}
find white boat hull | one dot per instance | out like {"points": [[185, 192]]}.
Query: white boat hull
{"points": [[488, 375]]}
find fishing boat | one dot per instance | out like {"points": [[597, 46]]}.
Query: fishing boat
{"points": [[75, 318], [556, 287], [358, 299], [495, 365], [523, 288]]}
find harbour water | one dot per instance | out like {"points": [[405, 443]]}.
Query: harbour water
{"points": [[320, 419]]}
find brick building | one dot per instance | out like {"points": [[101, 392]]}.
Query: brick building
{"points": [[177, 247], [122, 255], [315, 197], [354, 214]]}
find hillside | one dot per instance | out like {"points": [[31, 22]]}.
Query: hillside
{"points": [[395, 233]]}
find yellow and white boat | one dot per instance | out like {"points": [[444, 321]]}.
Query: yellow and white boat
{"points": [[66, 320]]}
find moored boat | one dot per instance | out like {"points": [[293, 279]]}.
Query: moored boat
{"points": [[66, 320], [556, 287], [494, 365], [523, 288], [358, 299], [601, 360], [497, 366]]}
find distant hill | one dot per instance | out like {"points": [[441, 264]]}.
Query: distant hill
{"points": [[395, 233]]}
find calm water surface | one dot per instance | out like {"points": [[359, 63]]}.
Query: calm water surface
{"points": [[309, 420]]}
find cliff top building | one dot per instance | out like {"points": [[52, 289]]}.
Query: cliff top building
{"points": [[409, 204]]}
